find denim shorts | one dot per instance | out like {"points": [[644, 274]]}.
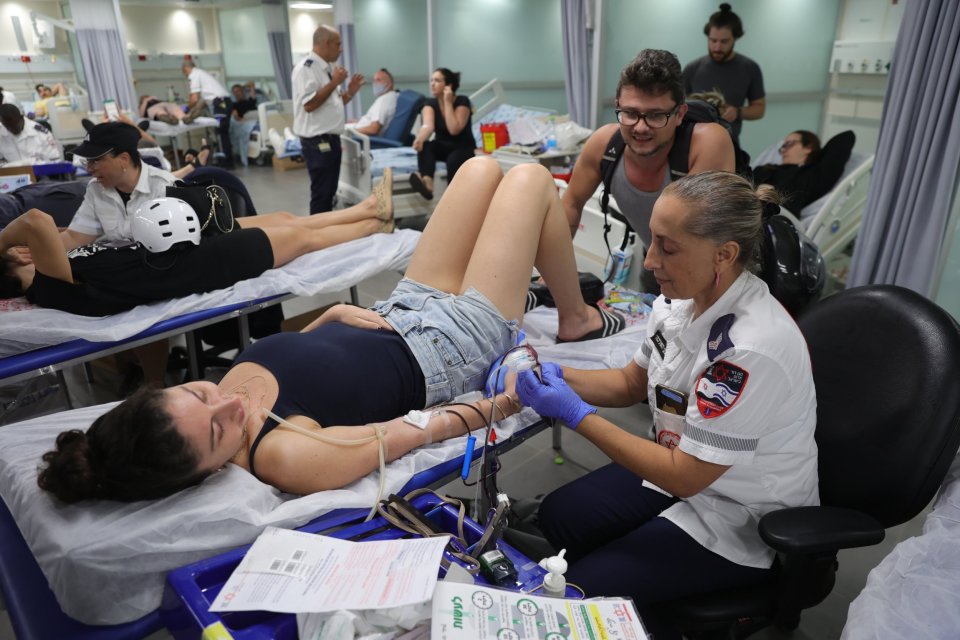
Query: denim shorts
{"points": [[454, 338]]}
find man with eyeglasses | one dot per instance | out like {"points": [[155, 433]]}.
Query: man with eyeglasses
{"points": [[650, 109]]}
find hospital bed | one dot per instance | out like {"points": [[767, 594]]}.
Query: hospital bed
{"points": [[174, 131], [360, 165], [105, 562], [273, 115], [39, 341]]}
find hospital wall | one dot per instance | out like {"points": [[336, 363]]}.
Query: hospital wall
{"points": [[45, 65]]}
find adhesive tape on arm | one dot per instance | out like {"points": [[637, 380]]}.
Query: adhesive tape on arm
{"points": [[419, 419]]}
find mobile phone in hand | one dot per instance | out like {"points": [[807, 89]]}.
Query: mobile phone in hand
{"points": [[110, 108]]}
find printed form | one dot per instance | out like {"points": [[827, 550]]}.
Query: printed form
{"points": [[294, 572]]}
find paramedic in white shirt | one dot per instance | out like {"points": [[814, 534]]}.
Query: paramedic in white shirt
{"points": [[204, 86], [121, 184], [318, 115], [381, 112], [23, 141], [727, 375]]}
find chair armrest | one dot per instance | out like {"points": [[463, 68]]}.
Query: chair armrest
{"points": [[818, 530], [377, 142]]}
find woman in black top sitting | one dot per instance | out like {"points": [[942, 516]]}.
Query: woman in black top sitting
{"points": [[457, 309], [807, 171], [448, 115]]}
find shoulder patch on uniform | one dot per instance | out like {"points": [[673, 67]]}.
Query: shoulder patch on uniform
{"points": [[719, 387], [718, 340], [659, 342], [308, 62], [38, 127]]}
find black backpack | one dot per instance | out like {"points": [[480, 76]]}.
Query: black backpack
{"points": [[679, 157]]}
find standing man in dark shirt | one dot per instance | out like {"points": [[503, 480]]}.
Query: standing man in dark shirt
{"points": [[734, 75]]}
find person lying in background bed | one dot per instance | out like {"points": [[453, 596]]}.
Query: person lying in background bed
{"points": [[99, 279], [457, 309], [806, 172]]}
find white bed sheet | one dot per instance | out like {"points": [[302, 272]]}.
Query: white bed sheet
{"points": [[158, 128], [106, 561], [330, 270], [915, 591]]}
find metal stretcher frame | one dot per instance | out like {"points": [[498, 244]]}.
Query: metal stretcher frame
{"points": [[36, 615], [56, 358], [190, 590]]}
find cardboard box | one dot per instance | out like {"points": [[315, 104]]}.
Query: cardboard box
{"points": [[286, 164]]}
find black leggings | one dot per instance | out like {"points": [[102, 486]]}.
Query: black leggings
{"points": [[435, 150]]}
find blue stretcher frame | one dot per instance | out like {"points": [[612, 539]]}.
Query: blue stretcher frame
{"points": [[35, 613], [190, 590]]}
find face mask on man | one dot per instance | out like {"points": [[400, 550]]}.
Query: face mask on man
{"points": [[379, 89]]}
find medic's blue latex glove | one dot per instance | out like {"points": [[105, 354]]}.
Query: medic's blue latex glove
{"points": [[553, 397]]}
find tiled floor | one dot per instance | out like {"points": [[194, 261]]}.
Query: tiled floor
{"points": [[530, 469]]}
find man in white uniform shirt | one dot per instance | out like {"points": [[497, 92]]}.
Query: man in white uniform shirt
{"points": [[318, 115], [378, 117], [23, 141], [204, 86]]}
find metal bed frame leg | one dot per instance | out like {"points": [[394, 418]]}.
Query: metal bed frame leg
{"points": [[88, 370], [354, 296], [244, 327], [193, 354], [62, 379]]}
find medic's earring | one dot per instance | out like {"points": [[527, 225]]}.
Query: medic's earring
{"points": [[716, 281]]}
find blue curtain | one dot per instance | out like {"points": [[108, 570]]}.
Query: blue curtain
{"points": [[103, 52], [907, 213], [343, 17], [577, 32], [277, 22]]}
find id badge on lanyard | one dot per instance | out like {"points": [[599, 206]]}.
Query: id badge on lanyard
{"points": [[668, 417]]}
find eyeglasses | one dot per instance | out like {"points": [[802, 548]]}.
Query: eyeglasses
{"points": [[90, 163], [787, 144], [654, 119]]}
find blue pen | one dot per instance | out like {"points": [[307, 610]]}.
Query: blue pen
{"points": [[468, 457]]}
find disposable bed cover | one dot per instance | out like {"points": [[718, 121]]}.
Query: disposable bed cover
{"points": [[333, 269], [914, 591], [106, 561], [159, 128]]}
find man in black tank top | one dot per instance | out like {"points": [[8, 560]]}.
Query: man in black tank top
{"points": [[650, 110]]}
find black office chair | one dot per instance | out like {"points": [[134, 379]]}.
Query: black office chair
{"points": [[886, 364]]}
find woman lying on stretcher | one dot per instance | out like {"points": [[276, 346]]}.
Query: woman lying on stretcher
{"points": [[98, 280], [458, 308]]}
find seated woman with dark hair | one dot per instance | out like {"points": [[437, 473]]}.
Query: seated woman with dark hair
{"points": [[447, 115], [457, 309], [807, 172]]}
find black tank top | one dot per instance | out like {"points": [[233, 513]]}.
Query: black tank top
{"points": [[338, 375]]}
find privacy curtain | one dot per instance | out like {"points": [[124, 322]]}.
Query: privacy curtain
{"points": [[103, 52], [343, 17], [276, 19], [918, 154], [577, 32]]}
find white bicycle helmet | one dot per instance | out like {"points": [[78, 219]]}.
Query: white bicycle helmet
{"points": [[163, 222]]}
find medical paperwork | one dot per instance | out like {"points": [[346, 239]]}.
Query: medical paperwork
{"points": [[473, 612], [294, 572]]}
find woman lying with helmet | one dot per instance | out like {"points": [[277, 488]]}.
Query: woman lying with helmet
{"points": [[458, 308], [169, 260]]}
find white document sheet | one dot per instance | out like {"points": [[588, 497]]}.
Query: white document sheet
{"points": [[293, 572]]}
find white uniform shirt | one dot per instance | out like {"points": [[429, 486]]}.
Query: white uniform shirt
{"points": [[382, 110], [34, 145], [745, 369], [206, 85], [309, 75], [103, 214]]}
